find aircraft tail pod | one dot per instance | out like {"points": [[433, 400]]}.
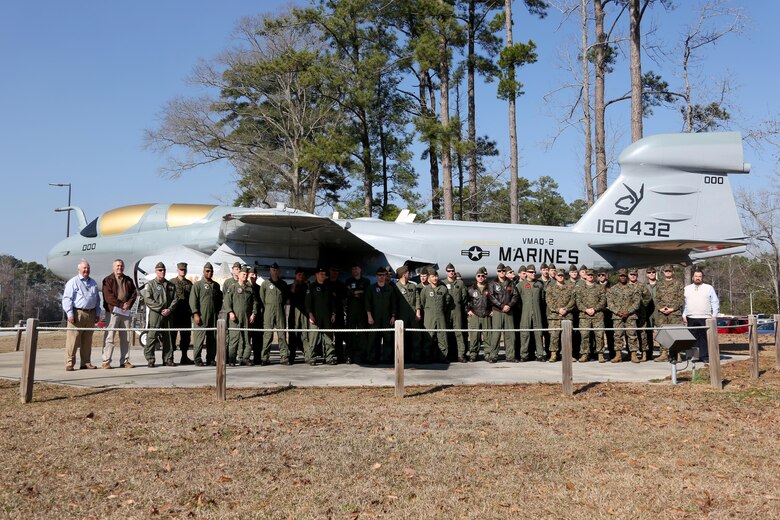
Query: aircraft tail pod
{"points": [[673, 193]]}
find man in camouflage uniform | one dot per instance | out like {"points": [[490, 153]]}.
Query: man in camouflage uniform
{"points": [[298, 318], [457, 290], [407, 312], [531, 293], [479, 309], [205, 304], [319, 306], [560, 303], [503, 298], [433, 306], [241, 309], [609, 336], [645, 300], [591, 300], [357, 285], [381, 311], [160, 298], [624, 301], [652, 312], [182, 317], [669, 301], [274, 294]]}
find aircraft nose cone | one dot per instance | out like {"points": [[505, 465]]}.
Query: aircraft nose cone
{"points": [[58, 260]]}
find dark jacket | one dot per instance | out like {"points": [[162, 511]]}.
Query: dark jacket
{"points": [[478, 301], [111, 292], [501, 295]]}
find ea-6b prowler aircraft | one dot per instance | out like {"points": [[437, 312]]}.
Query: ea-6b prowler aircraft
{"points": [[672, 203]]}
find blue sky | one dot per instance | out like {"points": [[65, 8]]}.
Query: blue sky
{"points": [[82, 81]]}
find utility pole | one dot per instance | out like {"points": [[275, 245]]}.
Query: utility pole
{"points": [[62, 185]]}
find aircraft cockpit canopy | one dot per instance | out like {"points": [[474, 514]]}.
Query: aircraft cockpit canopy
{"points": [[119, 220]]}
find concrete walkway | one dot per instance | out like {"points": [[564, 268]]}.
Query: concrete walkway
{"points": [[50, 368]]}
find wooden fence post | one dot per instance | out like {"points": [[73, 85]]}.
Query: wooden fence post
{"points": [[28, 366], [19, 330], [399, 358], [753, 342], [566, 346], [776, 317], [221, 355], [716, 374]]}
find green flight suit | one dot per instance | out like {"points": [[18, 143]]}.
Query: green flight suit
{"points": [[274, 295], [356, 316], [182, 318], [457, 291], [382, 303], [434, 303], [531, 318], [319, 303], [159, 296], [407, 312], [297, 318], [206, 302], [240, 300]]}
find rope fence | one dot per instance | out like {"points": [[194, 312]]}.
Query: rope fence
{"points": [[567, 335]]}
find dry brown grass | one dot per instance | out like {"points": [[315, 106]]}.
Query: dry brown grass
{"points": [[612, 451]]}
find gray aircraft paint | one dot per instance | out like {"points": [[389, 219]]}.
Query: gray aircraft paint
{"points": [[671, 203]]}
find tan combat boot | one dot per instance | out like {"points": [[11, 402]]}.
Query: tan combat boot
{"points": [[584, 358], [663, 356], [553, 357], [618, 357], [635, 357], [602, 359]]}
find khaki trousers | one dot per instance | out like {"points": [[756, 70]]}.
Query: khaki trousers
{"points": [[75, 338]]}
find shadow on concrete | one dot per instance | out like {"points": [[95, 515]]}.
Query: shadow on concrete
{"points": [[432, 390]]}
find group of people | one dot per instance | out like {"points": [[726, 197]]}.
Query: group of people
{"points": [[351, 320]]}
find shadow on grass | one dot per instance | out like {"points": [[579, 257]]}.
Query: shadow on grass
{"points": [[585, 388], [432, 390], [92, 393], [266, 392]]}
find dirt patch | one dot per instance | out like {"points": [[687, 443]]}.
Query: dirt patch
{"points": [[613, 450]]}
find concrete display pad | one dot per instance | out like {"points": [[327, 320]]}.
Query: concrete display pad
{"points": [[50, 368]]}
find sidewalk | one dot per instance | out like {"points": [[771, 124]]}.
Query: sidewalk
{"points": [[50, 368]]}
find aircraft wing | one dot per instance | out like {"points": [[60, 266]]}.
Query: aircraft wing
{"points": [[664, 246], [284, 234]]}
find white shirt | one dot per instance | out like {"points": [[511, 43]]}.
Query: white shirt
{"points": [[700, 301]]}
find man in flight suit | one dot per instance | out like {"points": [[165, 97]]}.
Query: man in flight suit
{"points": [[205, 304]]}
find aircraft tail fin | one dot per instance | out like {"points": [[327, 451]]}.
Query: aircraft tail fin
{"points": [[672, 188]]}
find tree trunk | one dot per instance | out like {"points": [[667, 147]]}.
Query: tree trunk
{"points": [[472, 118], [586, 120], [635, 35], [433, 156], [600, 108], [513, 205], [444, 139]]}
